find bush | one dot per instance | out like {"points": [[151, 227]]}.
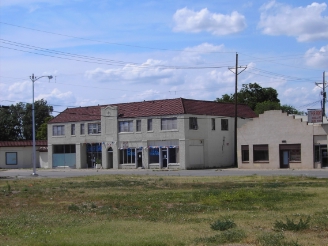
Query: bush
{"points": [[275, 239], [290, 225], [223, 224]]}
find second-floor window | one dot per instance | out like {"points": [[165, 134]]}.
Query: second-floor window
{"points": [[72, 129], [193, 123], [169, 123], [224, 125], [94, 128], [125, 126], [82, 129], [149, 124], [58, 130], [138, 125]]}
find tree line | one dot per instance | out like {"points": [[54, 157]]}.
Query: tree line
{"points": [[259, 99], [16, 121]]}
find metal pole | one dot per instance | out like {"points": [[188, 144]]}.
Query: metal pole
{"points": [[33, 127], [33, 79], [236, 101]]}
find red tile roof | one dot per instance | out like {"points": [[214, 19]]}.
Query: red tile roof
{"points": [[23, 143], [163, 107]]}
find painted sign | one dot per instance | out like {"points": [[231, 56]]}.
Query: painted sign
{"points": [[314, 115]]}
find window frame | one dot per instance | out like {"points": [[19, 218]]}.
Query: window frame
{"points": [[138, 125], [169, 124], [73, 129], [125, 126], [245, 153], [225, 126], [8, 158], [82, 129], [213, 124], [193, 125], [149, 125], [260, 150], [94, 128], [58, 130]]}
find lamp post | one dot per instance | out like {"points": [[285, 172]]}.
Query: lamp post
{"points": [[33, 79]]}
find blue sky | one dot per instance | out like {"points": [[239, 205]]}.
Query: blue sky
{"points": [[103, 52]]}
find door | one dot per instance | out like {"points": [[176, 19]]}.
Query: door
{"points": [[139, 158], [164, 158], [284, 159], [324, 158]]}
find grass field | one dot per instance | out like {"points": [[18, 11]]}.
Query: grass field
{"points": [[148, 210]]}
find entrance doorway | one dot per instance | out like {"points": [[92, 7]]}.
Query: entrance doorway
{"points": [[164, 158], [139, 158], [324, 158], [284, 159], [110, 157]]}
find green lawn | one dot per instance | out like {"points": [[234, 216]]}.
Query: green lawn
{"points": [[148, 210]]}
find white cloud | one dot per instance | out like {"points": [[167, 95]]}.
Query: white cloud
{"points": [[187, 20], [193, 55], [304, 23], [317, 58], [150, 71]]}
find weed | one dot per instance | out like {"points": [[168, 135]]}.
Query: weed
{"points": [[290, 225], [73, 207], [223, 224], [275, 239], [230, 236]]}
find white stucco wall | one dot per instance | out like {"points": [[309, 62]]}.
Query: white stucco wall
{"points": [[275, 128]]}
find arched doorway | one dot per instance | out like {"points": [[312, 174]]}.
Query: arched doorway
{"points": [[110, 157]]}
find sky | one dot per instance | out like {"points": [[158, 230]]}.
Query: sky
{"points": [[105, 52]]}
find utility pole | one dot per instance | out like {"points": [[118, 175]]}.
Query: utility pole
{"points": [[236, 102], [33, 79], [323, 93]]}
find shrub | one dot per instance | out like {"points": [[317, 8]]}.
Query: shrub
{"points": [[223, 224], [275, 239], [290, 225]]}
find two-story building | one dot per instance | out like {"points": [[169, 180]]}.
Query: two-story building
{"points": [[170, 133]]}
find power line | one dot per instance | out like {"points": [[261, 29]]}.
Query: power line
{"points": [[105, 42]]}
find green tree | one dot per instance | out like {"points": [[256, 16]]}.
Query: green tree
{"points": [[42, 133], [290, 110], [42, 111], [9, 125], [16, 121], [265, 106], [251, 94]]}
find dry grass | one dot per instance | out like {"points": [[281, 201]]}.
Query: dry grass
{"points": [[146, 210]]}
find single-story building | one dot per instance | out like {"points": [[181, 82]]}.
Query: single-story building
{"points": [[18, 154], [276, 140]]}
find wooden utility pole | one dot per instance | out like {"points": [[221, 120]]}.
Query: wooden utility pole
{"points": [[236, 103]]}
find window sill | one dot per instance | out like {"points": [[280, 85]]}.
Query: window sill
{"points": [[261, 162], [59, 136], [173, 130], [245, 162]]}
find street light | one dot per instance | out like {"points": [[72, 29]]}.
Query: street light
{"points": [[33, 79]]}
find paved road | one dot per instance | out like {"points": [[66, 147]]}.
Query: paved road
{"points": [[66, 173]]}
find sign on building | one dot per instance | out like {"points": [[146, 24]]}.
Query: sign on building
{"points": [[315, 115]]}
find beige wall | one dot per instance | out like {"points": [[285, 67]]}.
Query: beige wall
{"points": [[24, 157], [201, 148], [275, 128]]}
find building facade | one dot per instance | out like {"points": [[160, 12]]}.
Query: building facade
{"points": [[276, 140], [19, 154], [172, 133]]}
